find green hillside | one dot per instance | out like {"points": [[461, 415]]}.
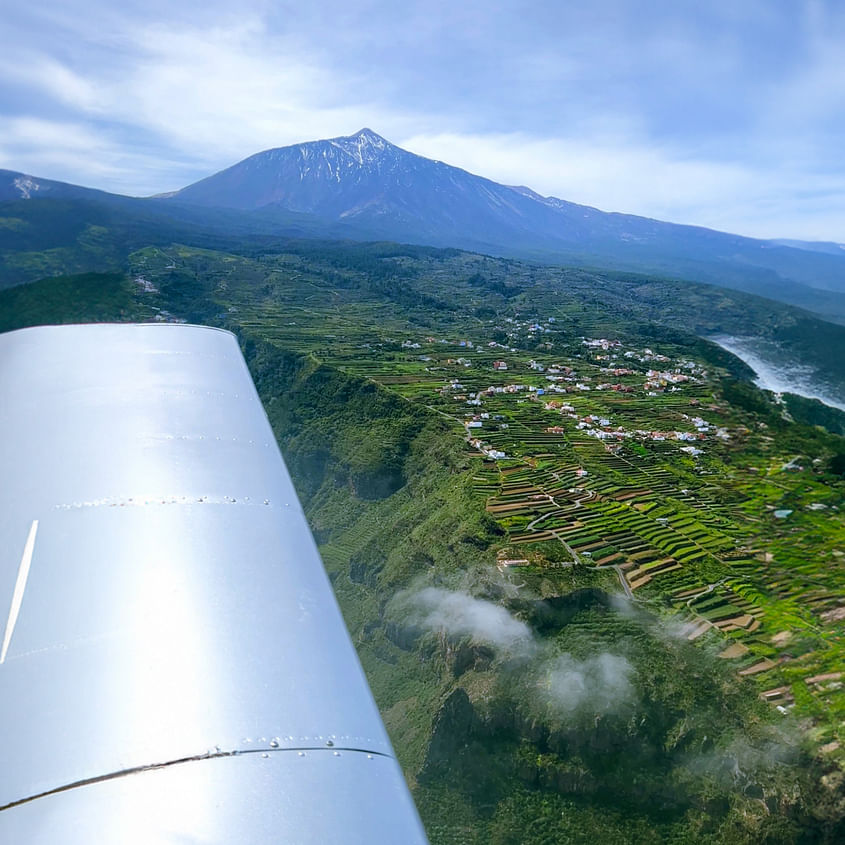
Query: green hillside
{"points": [[612, 611]]}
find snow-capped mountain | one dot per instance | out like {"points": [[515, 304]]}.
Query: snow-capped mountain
{"points": [[366, 179], [386, 192], [22, 186], [363, 187]]}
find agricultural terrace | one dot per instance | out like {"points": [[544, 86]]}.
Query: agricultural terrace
{"points": [[599, 450]]}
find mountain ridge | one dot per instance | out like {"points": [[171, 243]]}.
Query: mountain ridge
{"points": [[363, 187], [399, 195]]}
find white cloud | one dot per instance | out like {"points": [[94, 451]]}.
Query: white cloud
{"points": [[53, 144], [558, 683], [211, 95], [619, 174], [79, 153], [601, 683], [460, 614], [223, 90], [613, 109], [60, 83], [631, 175]]}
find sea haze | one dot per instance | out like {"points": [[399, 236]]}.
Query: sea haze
{"points": [[778, 372]]}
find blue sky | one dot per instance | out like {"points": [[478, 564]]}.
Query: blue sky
{"points": [[723, 114]]}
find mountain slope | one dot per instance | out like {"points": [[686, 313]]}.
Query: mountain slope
{"points": [[362, 187], [22, 186], [50, 228], [391, 193], [394, 496], [366, 178]]}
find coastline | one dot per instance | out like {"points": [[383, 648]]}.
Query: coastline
{"points": [[777, 377]]}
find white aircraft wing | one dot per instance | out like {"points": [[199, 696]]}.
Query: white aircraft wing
{"points": [[174, 666]]}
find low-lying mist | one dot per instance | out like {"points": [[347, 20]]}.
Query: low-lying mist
{"points": [[667, 698], [543, 675]]}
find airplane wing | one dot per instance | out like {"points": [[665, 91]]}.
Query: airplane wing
{"points": [[174, 666]]}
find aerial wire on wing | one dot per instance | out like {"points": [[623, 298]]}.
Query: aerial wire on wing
{"points": [[20, 586]]}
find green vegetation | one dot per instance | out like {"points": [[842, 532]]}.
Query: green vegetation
{"points": [[670, 538], [813, 412], [87, 298]]}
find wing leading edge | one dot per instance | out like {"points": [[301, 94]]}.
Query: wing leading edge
{"points": [[175, 666]]}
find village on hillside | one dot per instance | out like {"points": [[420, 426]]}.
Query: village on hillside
{"points": [[625, 458], [598, 454]]}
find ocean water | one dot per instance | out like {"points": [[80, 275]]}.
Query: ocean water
{"points": [[776, 372]]}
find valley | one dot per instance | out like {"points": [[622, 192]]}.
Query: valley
{"points": [[603, 454], [553, 349], [639, 520]]}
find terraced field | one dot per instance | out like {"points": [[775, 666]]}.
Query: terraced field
{"points": [[598, 450]]}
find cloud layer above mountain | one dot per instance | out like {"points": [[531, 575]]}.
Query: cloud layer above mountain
{"points": [[727, 115]]}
